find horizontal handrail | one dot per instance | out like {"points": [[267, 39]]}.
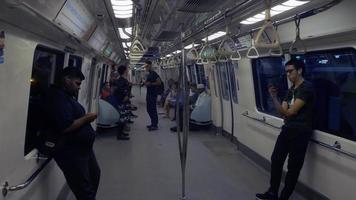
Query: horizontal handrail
{"points": [[336, 147], [262, 120], [6, 188]]}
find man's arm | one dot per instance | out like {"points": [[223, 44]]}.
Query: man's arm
{"points": [[87, 118], [283, 109]]}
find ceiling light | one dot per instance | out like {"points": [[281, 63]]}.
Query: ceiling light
{"points": [[121, 2], [190, 46], [294, 3], [129, 7], [288, 5], [215, 35], [123, 12], [169, 55], [123, 35], [123, 16]]}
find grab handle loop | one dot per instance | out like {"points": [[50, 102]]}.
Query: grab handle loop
{"points": [[267, 25], [293, 49], [193, 53], [252, 51]]}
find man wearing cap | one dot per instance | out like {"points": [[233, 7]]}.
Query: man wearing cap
{"points": [[70, 135], [152, 82]]}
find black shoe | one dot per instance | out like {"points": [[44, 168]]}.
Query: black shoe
{"points": [[148, 126], [267, 196], [174, 129], [122, 137], [152, 128], [125, 134]]}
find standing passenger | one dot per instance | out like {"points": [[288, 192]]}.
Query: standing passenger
{"points": [[297, 110], [152, 82], [122, 94], [70, 133]]}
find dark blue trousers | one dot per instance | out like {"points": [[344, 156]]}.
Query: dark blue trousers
{"points": [[82, 173], [292, 142], [151, 103]]}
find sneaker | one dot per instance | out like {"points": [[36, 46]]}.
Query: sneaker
{"points": [[267, 196], [152, 128]]}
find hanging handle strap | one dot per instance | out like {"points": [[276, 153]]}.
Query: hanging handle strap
{"points": [[298, 42], [252, 51], [267, 25]]}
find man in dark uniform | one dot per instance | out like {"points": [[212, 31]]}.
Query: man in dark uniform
{"points": [[152, 82], [70, 134], [297, 110]]}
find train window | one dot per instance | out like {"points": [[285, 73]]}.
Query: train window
{"points": [[75, 61], [223, 80], [333, 73], [200, 74], [46, 65], [268, 71], [231, 67], [191, 73]]}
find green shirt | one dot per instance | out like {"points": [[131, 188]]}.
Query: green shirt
{"points": [[304, 117]]}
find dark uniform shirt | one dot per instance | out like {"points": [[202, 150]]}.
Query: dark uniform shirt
{"points": [[122, 90], [61, 109], [152, 77], [304, 117]]}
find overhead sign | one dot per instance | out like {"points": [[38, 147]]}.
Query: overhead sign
{"points": [[76, 19], [98, 39]]}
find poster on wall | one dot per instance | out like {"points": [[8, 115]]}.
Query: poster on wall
{"points": [[2, 46]]}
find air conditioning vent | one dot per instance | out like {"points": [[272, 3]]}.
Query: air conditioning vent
{"points": [[199, 6]]}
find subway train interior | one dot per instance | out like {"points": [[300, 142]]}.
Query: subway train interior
{"points": [[231, 50]]}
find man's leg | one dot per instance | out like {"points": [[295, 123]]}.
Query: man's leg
{"points": [[76, 172], [153, 111], [278, 157], [94, 170], [297, 151]]}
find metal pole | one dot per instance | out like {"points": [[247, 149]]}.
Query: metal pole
{"points": [[183, 137]]}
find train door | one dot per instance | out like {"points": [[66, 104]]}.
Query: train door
{"points": [[47, 64], [225, 98], [233, 91]]}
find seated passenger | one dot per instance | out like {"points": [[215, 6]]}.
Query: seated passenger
{"points": [[203, 103], [171, 98], [200, 116], [105, 92]]}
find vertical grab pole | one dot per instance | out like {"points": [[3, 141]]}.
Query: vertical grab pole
{"points": [[183, 137]]}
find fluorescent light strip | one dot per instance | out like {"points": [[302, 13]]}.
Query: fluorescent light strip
{"points": [[169, 55], [129, 7], [123, 16], [123, 12], [123, 35], [288, 5], [121, 2], [215, 35], [191, 46]]}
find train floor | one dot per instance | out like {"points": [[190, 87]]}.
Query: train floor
{"points": [[147, 167]]}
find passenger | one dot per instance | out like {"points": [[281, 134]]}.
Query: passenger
{"points": [[171, 98], [106, 91], [297, 110], [152, 82], [70, 134], [122, 94], [194, 93], [192, 100], [200, 117]]}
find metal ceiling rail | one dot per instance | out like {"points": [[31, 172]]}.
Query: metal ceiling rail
{"points": [[247, 4]]}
